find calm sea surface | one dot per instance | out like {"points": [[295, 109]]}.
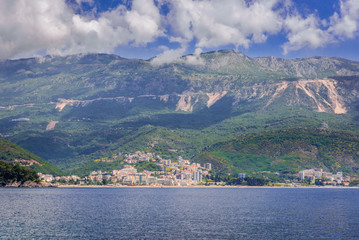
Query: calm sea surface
{"points": [[179, 213]]}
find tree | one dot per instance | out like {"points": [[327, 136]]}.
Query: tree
{"points": [[13, 172], [253, 181]]}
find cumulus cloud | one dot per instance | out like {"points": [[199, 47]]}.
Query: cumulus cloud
{"points": [[27, 28], [58, 27], [216, 23], [304, 32], [310, 31], [117, 27], [345, 24], [212, 23]]}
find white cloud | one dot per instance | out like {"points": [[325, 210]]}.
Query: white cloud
{"points": [[195, 59], [216, 23], [212, 23], [27, 28], [345, 24], [304, 32], [314, 32], [168, 56], [53, 27]]}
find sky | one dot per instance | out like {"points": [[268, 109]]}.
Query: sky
{"points": [[164, 30]]}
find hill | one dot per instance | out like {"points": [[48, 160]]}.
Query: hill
{"points": [[286, 151], [11, 173], [10, 152]]}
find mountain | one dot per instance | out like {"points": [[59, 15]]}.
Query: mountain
{"points": [[10, 152], [73, 109]]}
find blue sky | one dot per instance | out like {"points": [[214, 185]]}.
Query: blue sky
{"points": [[165, 30]]}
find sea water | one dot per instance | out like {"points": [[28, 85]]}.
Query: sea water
{"points": [[179, 213]]}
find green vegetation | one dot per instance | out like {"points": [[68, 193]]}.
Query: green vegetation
{"points": [[146, 165], [12, 172], [354, 183], [11, 152], [251, 181], [287, 151]]}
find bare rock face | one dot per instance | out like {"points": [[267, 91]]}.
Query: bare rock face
{"points": [[322, 94], [13, 184], [34, 184], [185, 104], [30, 184]]}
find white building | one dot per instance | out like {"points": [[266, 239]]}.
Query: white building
{"points": [[197, 176]]}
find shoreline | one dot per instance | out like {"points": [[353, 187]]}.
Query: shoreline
{"points": [[243, 187]]}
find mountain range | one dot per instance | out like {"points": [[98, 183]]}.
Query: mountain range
{"points": [[71, 110]]}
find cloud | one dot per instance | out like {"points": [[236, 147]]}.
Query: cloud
{"points": [[60, 27], [304, 32], [117, 27], [27, 28], [79, 2], [313, 32], [168, 56], [51, 26], [217, 23], [175, 55], [212, 23], [195, 59], [346, 23]]}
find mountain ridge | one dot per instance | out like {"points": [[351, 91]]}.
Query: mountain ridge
{"points": [[85, 106]]}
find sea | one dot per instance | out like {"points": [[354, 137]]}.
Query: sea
{"points": [[179, 213]]}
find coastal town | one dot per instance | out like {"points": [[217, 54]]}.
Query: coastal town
{"points": [[148, 169], [179, 173]]}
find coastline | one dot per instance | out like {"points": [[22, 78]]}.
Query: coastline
{"points": [[194, 186]]}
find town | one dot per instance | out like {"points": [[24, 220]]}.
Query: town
{"points": [[180, 173], [148, 169]]}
